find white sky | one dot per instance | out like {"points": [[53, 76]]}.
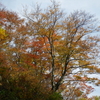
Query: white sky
{"points": [[91, 6]]}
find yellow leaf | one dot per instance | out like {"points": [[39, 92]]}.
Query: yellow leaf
{"points": [[2, 33]]}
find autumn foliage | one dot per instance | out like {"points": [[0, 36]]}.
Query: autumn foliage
{"points": [[47, 53]]}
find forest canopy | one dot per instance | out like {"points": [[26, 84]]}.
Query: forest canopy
{"points": [[48, 55]]}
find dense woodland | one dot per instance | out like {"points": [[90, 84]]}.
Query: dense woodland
{"points": [[48, 54]]}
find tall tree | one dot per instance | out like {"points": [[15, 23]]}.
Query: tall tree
{"points": [[70, 49], [56, 48]]}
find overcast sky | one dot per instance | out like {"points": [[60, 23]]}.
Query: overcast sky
{"points": [[91, 6]]}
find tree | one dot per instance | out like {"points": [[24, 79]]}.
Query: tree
{"points": [[54, 49], [70, 49]]}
